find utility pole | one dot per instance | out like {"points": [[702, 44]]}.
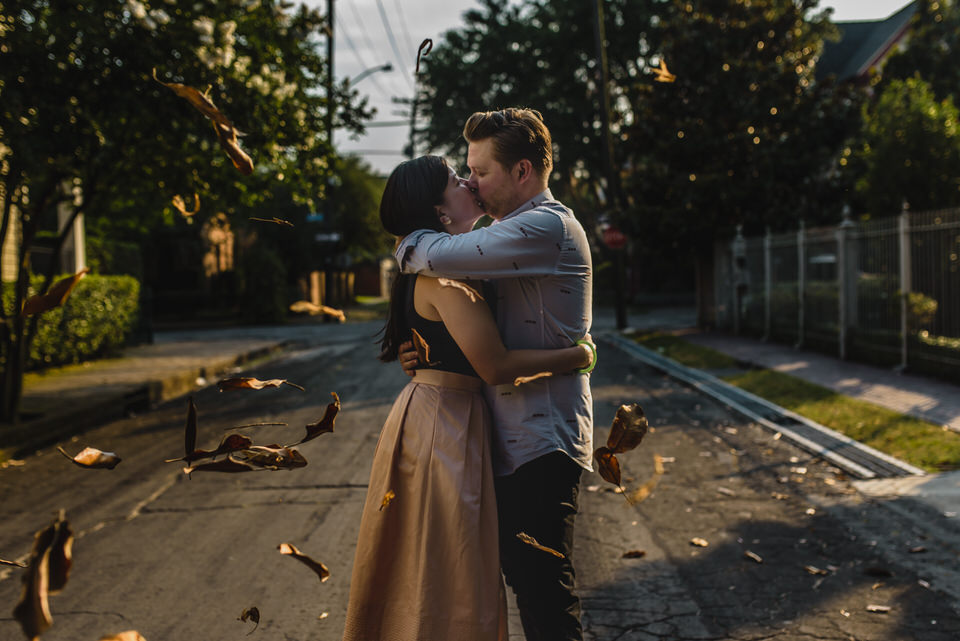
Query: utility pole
{"points": [[331, 103], [613, 174]]}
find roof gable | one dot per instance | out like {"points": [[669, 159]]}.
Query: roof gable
{"points": [[863, 43]]}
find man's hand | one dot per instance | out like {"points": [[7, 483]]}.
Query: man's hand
{"points": [[408, 358]]}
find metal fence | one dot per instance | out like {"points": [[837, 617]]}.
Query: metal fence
{"points": [[885, 291]]}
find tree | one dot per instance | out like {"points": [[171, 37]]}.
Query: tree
{"points": [[82, 121], [909, 150], [931, 50]]}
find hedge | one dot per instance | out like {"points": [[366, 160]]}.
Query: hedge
{"points": [[94, 321]]}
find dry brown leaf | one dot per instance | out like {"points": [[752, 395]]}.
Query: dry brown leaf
{"points": [[634, 554], [228, 465], [663, 74], [425, 47], [812, 569], [520, 380], [880, 609], [316, 566], [55, 296], [228, 444], [15, 564], [92, 458], [387, 498], [423, 349], [253, 614], [306, 307], [607, 465], [323, 615], [228, 140], [49, 568], [273, 457], [699, 542], [471, 293], [275, 220], [753, 556], [129, 635], [181, 206], [628, 429], [247, 382], [779, 496], [642, 492], [529, 540], [325, 424]]}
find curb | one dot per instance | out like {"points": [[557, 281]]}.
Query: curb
{"points": [[97, 408]]}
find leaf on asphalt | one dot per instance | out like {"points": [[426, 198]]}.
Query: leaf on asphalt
{"points": [[699, 542], [634, 554], [273, 457], [306, 307], [316, 566], [726, 491], [275, 220], [229, 465], [880, 609], [918, 550], [779, 496], [532, 542], [129, 635], [48, 570], [247, 382], [753, 556], [471, 293], [812, 569], [423, 350], [181, 206], [228, 444], [650, 485], [226, 133], [92, 458], [15, 564], [387, 498], [425, 47], [607, 465], [252, 614], [663, 74], [54, 297], [520, 380], [325, 424]]}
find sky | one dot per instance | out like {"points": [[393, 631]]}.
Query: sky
{"points": [[371, 33]]}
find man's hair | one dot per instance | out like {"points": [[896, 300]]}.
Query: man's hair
{"points": [[517, 134]]}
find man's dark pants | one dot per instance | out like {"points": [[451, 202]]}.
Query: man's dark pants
{"points": [[540, 499]]}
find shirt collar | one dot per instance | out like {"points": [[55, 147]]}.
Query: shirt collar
{"points": [[536, 201]]}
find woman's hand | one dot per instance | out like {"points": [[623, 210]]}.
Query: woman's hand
{"points": [[408, 358]]}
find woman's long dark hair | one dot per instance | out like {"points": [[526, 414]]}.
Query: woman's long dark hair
{"points": [[409, 201]]}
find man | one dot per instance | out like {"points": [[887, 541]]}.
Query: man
{"points": [[539, 259]]}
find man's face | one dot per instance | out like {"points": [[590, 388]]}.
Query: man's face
{"points": [[495, 187]]}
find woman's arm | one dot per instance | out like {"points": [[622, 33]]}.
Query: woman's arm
{"points": [[471, 325]]}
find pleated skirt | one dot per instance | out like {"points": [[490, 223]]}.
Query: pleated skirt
{"points": [[427, 566]]}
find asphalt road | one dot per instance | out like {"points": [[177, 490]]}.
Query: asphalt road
{"points": [[179, 559]]}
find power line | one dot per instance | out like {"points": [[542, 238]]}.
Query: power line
{"points": [[403, 27], [393, 43], [360, 59], [366, 38]]}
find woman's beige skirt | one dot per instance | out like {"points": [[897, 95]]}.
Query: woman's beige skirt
{"points": [[427, 565]]}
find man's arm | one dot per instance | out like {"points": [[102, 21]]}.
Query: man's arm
{"points": [[528, 244]]}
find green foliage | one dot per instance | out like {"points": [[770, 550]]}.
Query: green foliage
{"points": [[909, 150], [931, 50], [114, 257], [94, 320], [357, 211], [684, 352], [263, 288]]}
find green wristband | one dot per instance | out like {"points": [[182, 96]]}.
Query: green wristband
{"points": [[593, 361]]}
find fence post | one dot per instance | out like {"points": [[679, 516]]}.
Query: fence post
{"points": [[844, 288], [767, 283], [905, 279], [801, 281]]}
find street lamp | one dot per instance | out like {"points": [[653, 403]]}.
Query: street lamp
{"points": [[366, 72]]}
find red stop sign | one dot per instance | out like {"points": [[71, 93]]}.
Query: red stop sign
{"points": [[614, 238]]}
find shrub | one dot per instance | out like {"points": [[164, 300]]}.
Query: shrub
{"points": [[263, 281]]}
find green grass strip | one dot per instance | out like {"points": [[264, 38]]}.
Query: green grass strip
{"points": [[685, 353]]}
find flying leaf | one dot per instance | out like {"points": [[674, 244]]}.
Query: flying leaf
{"points": [[471, 293], [246, 382], [642, 492], [228, 465], [423, 350], [425, 47], [181, 206], [663, 74], [54, 297], [228, 140], [228, 444], [880, 609], [253, 614], [129, 635], [520, 380], [272, 457], [306, 307], [699, 542], [15, 564], [753, 556], [92, 458], [387, 498], [240, 427], [607, 465], [275, 220], [48, 570], [628, 429], [316, 566], [529, 540], [325, 424]]}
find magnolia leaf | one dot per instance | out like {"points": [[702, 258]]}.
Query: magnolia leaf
{"points": [[253, 614], [54, 297], [229, 465], [228, 444], [325, 424], [425, 47], [92, 458], [628, 429], [306, 307], [48, 570], [316, 566], [275, 220], [387, 498], [529, 540], [520, 380], [246, 382], [15, 564], [181, 206], [607, 465], [471, 293], [663, 74], [423, 349], [228, 140], [272, 457], [129, 635]]}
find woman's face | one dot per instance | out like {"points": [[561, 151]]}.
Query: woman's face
{"points": [[459, 205]]}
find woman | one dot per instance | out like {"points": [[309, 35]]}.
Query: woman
{"points": [[427, 566]]}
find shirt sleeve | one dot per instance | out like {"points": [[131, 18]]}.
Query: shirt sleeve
{"points": [[528, 244]]}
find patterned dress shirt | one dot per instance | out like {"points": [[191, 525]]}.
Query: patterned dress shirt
{"points": [[539, 259]]}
